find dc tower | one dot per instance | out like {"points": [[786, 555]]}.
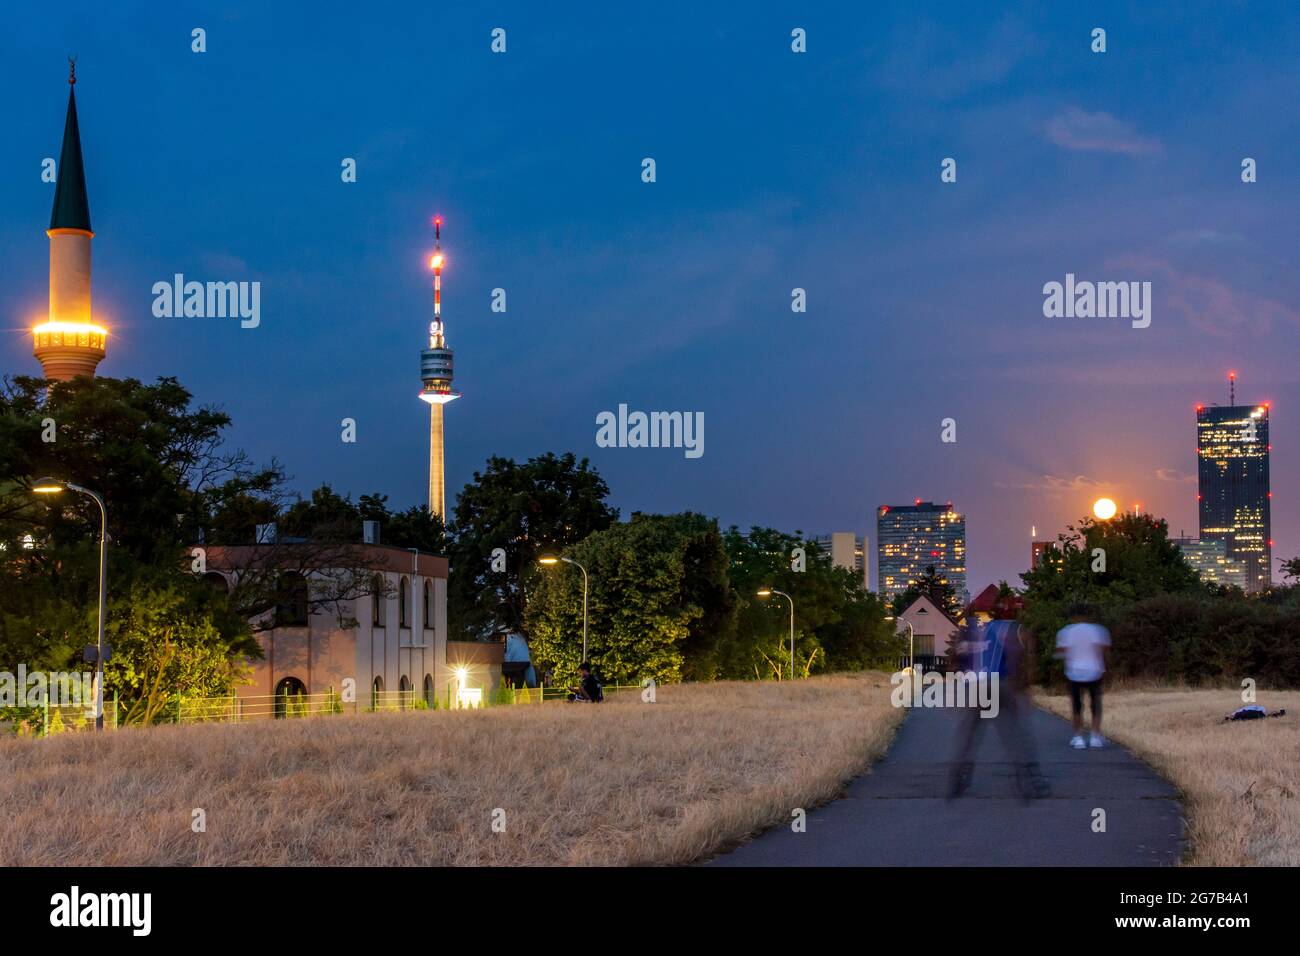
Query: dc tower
{"points": [[69, 343], [436, 370]]}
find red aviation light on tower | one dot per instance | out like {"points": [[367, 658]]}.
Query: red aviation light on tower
{"points": [[436, 261]]}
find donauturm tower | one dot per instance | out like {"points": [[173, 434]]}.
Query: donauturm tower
{"points": [[436, 369], [70, 343]]}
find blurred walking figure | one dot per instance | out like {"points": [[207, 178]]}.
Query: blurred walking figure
{"points": [[998, 653], [1082, 643]]}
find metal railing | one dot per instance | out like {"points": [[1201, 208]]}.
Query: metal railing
{"points": [[51, 719], [233, 708]]}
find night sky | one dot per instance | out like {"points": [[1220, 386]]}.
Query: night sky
{"points": [[775, 170]]}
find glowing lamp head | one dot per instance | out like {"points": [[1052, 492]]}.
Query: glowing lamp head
{"points": [[764, 592], [548, 560], [1104, 509], [48, 486], [462, 672], [436, 260]]}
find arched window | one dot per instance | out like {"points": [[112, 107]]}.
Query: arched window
{"points": [[427, 618], [428, 689], [376, 693], [289, 698], [291, 600], [377, 600], [403, 603], [404, 692]]}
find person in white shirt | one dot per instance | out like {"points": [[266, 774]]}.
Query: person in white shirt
{"points": [[1082, 644]]}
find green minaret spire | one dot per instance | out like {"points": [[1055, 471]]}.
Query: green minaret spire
{"points": [[71, 207]]}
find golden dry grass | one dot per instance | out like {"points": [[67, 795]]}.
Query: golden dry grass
{"points": [[620, 783], [1240, 780]]}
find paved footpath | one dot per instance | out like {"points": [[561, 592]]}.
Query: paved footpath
{"points": [[896, 815]]}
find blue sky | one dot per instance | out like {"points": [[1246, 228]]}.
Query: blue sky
{"points": [[775, 170]]}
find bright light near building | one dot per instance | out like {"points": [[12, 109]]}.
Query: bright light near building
{"points": [[1104, 509], [436, 261], [74, 328], [461, 674]]}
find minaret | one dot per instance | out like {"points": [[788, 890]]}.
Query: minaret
{"points": [[70, 343], [436, 371]]}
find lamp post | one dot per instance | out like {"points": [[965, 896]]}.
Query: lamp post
{"points": [[53, 486], [768, 592], [550, 560]]}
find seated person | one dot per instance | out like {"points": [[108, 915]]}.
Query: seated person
{"points": [[588, 690]]}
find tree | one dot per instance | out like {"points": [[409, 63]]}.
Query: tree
{"points": [[1111, 565], [934, 586], [647, 612], [839, 625], [167, 643], [546, 504], [157, 462]]}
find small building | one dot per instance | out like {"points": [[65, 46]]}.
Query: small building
{"points": [[386, 645], [987, 605], [931, 636]]}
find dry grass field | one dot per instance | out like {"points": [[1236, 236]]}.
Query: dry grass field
{"points": [[1240, 780], [620, 783]]}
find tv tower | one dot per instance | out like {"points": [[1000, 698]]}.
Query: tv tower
{"points": [[436, 371]]}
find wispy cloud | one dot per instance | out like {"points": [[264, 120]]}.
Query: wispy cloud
{"points": [[1050, 486], [1174, 475], [1208, 302], [1098, 132]]}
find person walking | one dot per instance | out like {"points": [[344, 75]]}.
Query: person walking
{"points": [[998, 654], [1083, 644]]}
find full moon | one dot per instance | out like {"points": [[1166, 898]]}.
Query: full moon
{"points": [[1104, 508]]}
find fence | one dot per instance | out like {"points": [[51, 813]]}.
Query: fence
{"points": [[48, 720], [232, 708]]}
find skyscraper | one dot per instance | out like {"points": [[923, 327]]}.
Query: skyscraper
{"points": [[69, 343], [1232, 448], [436, 369], [909, 538], [846, 550], [1209, 559]]}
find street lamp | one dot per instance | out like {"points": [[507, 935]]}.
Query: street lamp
{"points": [[768, 592], [911, 643], [550, 560], [53, 486]]}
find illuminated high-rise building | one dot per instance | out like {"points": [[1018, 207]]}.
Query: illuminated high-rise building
{"points": [[910, 538], [1209, 559], [436, 370], [69, 342], [1232, 448]]}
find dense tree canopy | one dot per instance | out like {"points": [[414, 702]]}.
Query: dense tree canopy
{"points": [[545, 504]]}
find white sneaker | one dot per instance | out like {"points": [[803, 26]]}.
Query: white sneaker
{"points": [[1077, 742], [1096, 740]]}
